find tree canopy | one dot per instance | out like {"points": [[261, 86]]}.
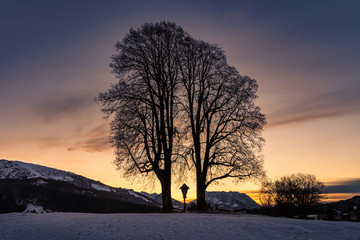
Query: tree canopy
{"points": [[223, 121], [143, 102], [177, 101], [296, 193]]}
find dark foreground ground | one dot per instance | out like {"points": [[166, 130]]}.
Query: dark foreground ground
{"points": [[168, 226]]}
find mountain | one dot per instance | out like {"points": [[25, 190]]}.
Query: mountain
{"points": [[158, 198], [25, 186], [348, 203], [21, 170], [343, 205], [229, 201], [347, 210], [30, 186]]}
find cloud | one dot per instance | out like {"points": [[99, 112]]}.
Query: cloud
{"points": [[51, 141], [82, 138], [346, 186], [51, 111], [94, 140], [100, 130], [92, 145], [333, 104]]}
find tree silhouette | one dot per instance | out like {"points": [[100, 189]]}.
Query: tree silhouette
{"points": [[143, 102], [219, 109], [296, 193], [178, 97]]}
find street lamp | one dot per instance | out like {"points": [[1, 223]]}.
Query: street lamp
{"points": [[184, 188]]}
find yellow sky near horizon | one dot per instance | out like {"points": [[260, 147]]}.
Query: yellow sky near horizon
{"points": [[279, 150], [76, 140]]}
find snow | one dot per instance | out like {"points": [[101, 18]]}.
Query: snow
{"points": [[215, 200], [131, 192], [21, 170], [40, 182], [169, 226], [150, 195], [229, 200], [100, 187], [30, 208]]}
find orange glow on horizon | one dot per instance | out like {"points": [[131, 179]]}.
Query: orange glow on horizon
{"points": [[328, 197], [186, 201], [334, 197]]}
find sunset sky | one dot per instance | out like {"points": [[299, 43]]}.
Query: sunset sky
{"points": [[305, 56]]}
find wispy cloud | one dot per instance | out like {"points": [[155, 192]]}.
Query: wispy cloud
{"points": [[51, 141], [92, 145], [344, 186], [53, 110], [82, 138], [338, 103], [94, 140]]}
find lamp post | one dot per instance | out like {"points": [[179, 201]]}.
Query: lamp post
{"points": [[184, 188]]}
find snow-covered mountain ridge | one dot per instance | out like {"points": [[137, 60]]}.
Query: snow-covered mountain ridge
{"points": [[230, 200], [41, 175], [158, 198], [22, 170]]}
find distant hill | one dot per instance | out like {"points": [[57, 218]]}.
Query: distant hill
{"points": [[32, 187], [343, 205], [24, 185], [348, 210], [230, 201], [351, 202], [158, 198]]}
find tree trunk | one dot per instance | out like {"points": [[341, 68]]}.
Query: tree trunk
{"points": [[303, 212], [166, 192], [200, 192]]}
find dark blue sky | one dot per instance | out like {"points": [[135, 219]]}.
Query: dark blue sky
{"points": [[304, 54]]}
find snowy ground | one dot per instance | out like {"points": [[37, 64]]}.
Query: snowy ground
{"points": [[168, 226]]}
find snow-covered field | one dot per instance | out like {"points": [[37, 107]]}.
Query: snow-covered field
{"points": [[168, 226]]}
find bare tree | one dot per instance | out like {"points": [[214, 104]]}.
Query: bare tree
{"points": [[267, 194], [298, 192], [224, 123], [166, 80], [143, 102]]}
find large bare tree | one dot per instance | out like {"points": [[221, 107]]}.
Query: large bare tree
{"points": [[168, 80], [143, 102], [219, 109]]}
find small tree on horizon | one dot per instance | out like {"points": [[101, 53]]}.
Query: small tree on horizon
{"points": [[298, 192]]}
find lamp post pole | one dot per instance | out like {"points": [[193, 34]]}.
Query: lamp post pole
{"points": [[184, 205], [184, 188]]}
